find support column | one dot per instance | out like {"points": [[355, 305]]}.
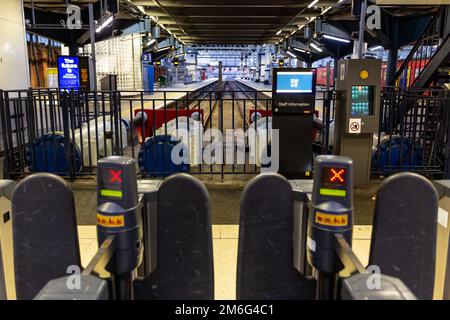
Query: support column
{"points": [[14, 63], [391, 66]]}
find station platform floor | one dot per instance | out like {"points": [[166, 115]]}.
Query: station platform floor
{"points": [[172, 93], [258, 86], [225, 248]]}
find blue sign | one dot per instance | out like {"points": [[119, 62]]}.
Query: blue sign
{"points": [[147, 57], [68, 72], [295, 82]]}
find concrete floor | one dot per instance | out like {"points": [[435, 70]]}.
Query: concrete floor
{"points": [[225, 252]]}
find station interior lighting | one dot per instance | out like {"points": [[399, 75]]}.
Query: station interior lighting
{"points": [[376, 48], [312, 4], [316, 47], [278, 32], [299, 50], [151, 42], [164, 48], [105, 24], [291, 54], [326, 36]]}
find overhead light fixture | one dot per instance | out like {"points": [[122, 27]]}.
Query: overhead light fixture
{"points": [[164, 48], [299, 50], [326, 10], [291, 54], [326, 36], [313, 3], [151, 42], [105, 24], [316, 47], [376, 48], [278, 32], [293, 32]]}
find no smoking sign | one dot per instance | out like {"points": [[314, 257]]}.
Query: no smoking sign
{"points": [[354, 126]]}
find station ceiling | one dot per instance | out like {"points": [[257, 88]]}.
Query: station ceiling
{"points": [[232, 21]]}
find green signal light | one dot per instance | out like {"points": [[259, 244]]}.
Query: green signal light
{"points": [[111, 193], [333, 192]]}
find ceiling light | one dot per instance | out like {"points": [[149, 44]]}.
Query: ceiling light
{"points": [[105, 24], [151, 42], [326, 10], [292, 33], [291, 54], [376, 48], [164, 48], [278, 32], [326, 36], [314, 46], [313, 3], [299, 50]]}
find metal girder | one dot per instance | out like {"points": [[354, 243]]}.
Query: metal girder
{"points": [[441, 56]]}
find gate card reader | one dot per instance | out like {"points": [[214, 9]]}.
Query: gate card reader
{"points": [[331, 212], [119, 212]]}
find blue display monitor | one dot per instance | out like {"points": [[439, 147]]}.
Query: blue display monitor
{"points": [[68, 72], [295, 82]]}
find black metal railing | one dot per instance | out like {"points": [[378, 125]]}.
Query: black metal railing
{"points": [[421, 53], [220, 130]]}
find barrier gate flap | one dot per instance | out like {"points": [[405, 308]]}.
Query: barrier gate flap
{"points": [[44, 232], [265, 256], [404, 232], [185, 256]]}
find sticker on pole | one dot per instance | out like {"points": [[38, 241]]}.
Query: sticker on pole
{"points": [[354, 126]]}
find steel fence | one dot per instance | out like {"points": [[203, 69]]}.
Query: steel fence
{"points": [[222, 129]]}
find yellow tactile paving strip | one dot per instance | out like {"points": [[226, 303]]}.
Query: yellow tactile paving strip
{"points": [[225, 246]]}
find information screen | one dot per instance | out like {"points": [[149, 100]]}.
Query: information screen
{"points": [[68, 72], [295, 82], [362, 100], [111, 183], [333, 181]]}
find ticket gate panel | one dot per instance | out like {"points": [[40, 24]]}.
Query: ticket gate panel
{"points": [[404, 232], [184, 239], [45, 232], [442, 278], [6, 238], [265, 254]]}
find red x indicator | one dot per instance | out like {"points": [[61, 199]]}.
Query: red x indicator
{"points": [[337, 175], [115, 176]]}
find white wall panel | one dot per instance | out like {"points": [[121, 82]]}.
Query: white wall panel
{"points": [[14, 72]]}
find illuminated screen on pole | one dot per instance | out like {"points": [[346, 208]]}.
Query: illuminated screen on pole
{"points": [[333, 181], [111, 183], [295, 82], [68, 72], [362, 100]]}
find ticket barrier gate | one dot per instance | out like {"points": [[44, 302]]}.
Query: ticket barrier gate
{"points": [[442, 277], [146, 231], [7, 285], [304, 235]]}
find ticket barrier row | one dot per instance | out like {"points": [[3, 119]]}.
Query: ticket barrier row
{"points": [[155, 238], [303, 236]]}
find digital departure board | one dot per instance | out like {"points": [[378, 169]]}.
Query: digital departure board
{"points": [[362, 100]]}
